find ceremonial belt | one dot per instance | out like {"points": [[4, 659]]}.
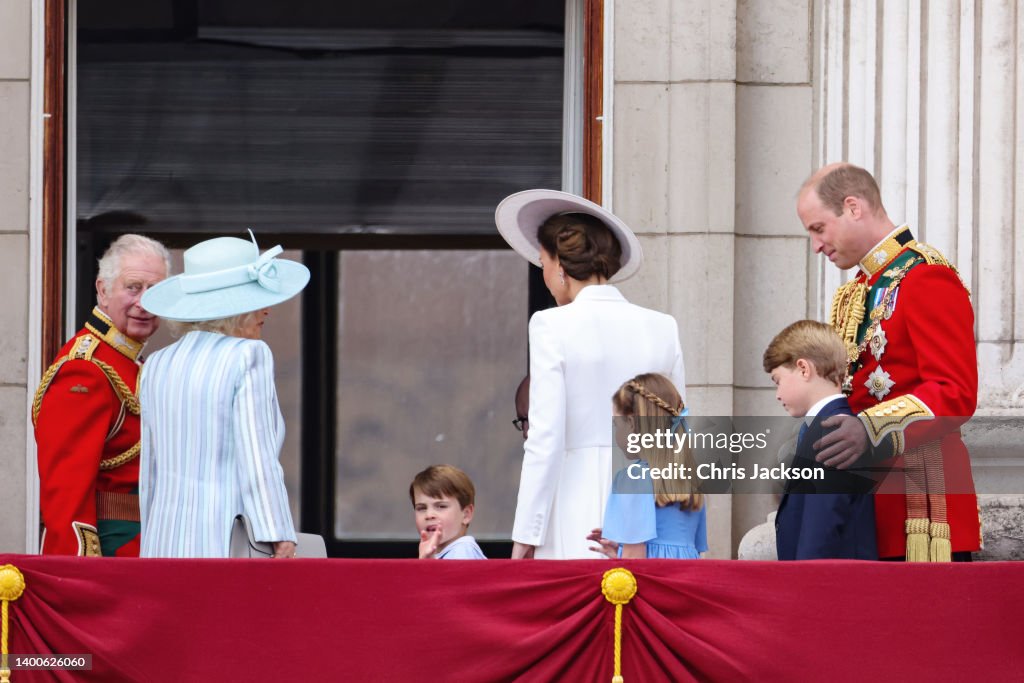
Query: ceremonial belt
{"points": [[119, 506]]}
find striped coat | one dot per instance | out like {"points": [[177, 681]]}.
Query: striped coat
{"points": [[211, 436]]}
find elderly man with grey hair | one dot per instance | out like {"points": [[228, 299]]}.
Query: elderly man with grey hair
{"points": [[86, 413]]}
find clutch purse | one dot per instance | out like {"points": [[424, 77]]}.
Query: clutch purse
{"points": [[243, 544]]}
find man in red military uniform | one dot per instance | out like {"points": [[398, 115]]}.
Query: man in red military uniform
{"points": [[86, 413], [908, 324]]}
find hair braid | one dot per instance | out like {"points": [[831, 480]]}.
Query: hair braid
{"points": [[639, 389]]}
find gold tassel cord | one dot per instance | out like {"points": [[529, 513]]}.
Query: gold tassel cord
{"points": [[12, 585], [917, 506], [927, 525], [917, 539], [618, 586], [940, 550]]}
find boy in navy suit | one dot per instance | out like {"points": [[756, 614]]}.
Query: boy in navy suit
{"points": [[807, 362]]}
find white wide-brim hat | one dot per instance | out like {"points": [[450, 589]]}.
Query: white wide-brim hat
{"points": [[225, 277], [519, 215]]}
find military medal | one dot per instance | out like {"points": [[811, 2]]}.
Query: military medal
{"points": [[879, 383], [877, 343], [892, 305]]}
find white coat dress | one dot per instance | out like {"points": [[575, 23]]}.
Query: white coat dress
{"points": [[580, 354]]}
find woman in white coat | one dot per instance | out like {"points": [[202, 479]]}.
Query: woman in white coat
{"points": [[580, 353], [211, 426]]}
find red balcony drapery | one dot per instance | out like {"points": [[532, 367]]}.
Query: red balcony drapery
{"points": [[409, 620]]}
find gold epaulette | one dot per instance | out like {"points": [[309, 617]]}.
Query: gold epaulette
{"points": [[84, 347], [892, 417], [934, 257], [931, 255]]}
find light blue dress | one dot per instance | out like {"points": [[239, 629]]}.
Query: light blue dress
{"points": [[211, 435], [669, 532]]}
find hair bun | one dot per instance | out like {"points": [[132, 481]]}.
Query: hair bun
{"points": [[584, 245]]}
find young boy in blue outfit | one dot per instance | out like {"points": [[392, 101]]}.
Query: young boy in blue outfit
{"points": [[807, 362], [442, 500]]}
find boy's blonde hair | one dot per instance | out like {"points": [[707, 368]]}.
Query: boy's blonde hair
{"points": [[813, 341], [649, 399], [438, 481]]}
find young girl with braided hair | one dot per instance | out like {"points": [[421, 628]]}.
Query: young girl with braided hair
{"points": [[646, 517]]}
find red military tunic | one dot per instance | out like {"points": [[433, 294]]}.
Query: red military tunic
{"points": [[915, 360], [87, 427]]}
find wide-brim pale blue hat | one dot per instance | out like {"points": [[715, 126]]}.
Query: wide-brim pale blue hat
{"points": [[519, 215], [224, 277]]}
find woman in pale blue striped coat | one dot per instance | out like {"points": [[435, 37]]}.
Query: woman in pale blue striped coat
{"points": [[211, 426]]}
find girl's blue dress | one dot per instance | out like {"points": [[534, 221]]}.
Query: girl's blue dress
{"points": [[669, 532]]}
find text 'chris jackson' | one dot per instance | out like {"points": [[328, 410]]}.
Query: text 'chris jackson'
{"points": [[715, 472]]}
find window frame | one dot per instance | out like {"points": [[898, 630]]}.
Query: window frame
{"points": [[62, 290]]}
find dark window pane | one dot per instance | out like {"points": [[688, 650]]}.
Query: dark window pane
{"points": [[431, 347], [351, 123]]}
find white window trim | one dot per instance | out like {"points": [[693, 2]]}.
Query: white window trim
{"points": [[34, 360], [573, 84]]}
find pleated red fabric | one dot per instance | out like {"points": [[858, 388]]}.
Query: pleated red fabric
{"points": [[499, 620]]}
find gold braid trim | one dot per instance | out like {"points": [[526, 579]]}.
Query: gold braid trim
{"points": [[44, 384], [848, 313], [83, 350], [118, 460], [121, 387]]}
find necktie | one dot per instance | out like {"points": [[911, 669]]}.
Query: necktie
{"points": [[800, 436]]}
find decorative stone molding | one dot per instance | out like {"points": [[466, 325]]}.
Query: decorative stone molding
{"points": [[759, 542]]}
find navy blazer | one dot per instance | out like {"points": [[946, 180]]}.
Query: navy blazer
{"points": [[815, 526]]}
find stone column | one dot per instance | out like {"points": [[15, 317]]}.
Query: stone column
{"points": [[999, 225], [672, 166], [945, 138], [774, 136], [15, 17]]}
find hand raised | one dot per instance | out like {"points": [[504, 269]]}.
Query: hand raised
{"points": [[429, 542]]}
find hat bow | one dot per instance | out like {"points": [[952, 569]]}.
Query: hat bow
{"points": [[262, 271]]}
